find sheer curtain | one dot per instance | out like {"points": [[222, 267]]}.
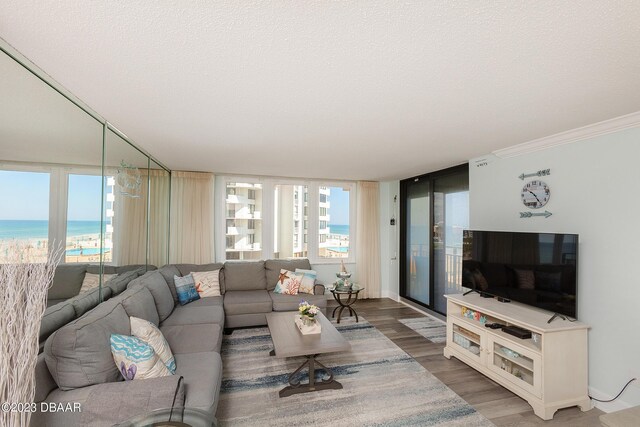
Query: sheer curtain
{"points": [[159, 192], [368, 239], [192, 195], [130, 225]]}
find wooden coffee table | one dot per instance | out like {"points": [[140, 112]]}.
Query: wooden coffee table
{"points": [[288, 341]]}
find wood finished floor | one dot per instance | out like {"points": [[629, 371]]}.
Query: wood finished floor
{"points": [[493, 401]]}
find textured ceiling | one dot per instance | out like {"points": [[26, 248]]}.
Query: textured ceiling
{"points": [[335, 89]]}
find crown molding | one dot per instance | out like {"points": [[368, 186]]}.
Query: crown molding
{"points": [[574, 135]]}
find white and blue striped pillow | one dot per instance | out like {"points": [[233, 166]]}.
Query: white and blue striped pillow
{"points": [[136, 359]]}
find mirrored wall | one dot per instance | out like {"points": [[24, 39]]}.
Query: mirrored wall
{"points": [[70, 180]]}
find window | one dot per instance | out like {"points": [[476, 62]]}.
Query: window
{"points": [[288, 223], [243, 239], [334, 232], [25, 211], [273, 220], [84, 219]]}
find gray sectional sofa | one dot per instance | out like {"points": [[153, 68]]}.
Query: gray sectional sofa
{"points": [[64, 303], [77, 365]]}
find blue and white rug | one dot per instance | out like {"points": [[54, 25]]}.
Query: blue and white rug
{"points": [[435, 330], [383, 386]]}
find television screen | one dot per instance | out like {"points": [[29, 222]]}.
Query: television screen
{"points": [[538, 269]]}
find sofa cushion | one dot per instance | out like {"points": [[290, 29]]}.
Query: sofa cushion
{"points": [[193, 338], [207, 302], [79, 353], [154, 281], [116, 402], [168, 271], [119, 283], [141, 268], [190, 268], [106, 269], [244, 276], [56, 317], [138, 302], [44, 382], [202, 386], [283, 302], [247, 302], [92, 281], [189, 315], [273, 267], [67, 281], [86, 301]]}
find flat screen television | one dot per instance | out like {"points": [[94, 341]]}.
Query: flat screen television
{"points": [[538, 269]]}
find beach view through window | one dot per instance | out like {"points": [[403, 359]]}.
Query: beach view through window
{"points": [[25, 212]]}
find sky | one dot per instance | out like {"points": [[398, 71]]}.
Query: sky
{"points": [[338, 206], [25, 196]]}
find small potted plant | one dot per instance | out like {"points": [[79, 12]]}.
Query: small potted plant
{"points": [[307, 313], [307, 322]]}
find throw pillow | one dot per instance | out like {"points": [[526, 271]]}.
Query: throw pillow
{"points": [[207, 283], [549, 281], [526, 279], [308, 281], [91, 281], [149, 333], [136, 359], [480, 280], [186, 289], [288, 282]]}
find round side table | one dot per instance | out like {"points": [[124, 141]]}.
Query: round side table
{"points": [[351, 295]]}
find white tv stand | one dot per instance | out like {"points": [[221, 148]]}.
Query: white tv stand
{"points": [[550, 373]]}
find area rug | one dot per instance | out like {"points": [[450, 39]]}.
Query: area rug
{"points": [[435, 330], [383, 386]]}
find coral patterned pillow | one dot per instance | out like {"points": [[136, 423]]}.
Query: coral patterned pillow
{"points": [[207, 283], [288, 283]]}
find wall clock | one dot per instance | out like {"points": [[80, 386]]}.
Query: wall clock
{"points": [[535, 194]]}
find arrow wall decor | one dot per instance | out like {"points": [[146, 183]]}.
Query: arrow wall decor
{"points": [[545, 214], [542, 172]]}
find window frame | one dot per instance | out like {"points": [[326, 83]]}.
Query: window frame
{"points": [[268, 217], [58, 193]]}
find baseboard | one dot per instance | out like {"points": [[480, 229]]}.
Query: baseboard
{"points": [[423, 310], [616, 405], [391, 295]]}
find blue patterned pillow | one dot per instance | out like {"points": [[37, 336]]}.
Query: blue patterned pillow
{"points": [[186, 289], [136, 359]]}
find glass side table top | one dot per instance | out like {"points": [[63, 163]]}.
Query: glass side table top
{"points": [[340, 289], [179, 417]]}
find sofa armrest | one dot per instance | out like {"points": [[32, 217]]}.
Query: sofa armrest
{"points": [[318, 289], [111, 403]]}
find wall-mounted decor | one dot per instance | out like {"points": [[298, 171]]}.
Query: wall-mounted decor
{"points": [[129, 180], [541, 172], [535, 194], [545, 214]]}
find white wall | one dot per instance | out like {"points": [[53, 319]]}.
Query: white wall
{"points": [[389, 239], [595, 192]]}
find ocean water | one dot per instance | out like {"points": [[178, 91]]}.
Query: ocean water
{"points": [[39, 229], [339, 229]]}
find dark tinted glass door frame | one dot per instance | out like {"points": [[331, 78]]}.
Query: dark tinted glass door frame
{"points": [[404, 236]]}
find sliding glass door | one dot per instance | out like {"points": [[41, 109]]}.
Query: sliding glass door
{"points": [[434, 211], [417, 245]]}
